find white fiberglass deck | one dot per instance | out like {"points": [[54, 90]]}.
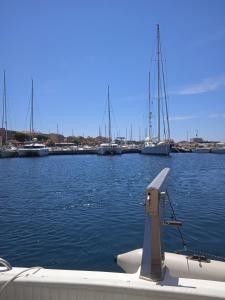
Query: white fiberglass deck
{"points": [[65, 284]]}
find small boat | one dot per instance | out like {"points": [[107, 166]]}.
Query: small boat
{"points": [[201, 150], [151, 273], [157, 146], [8, 151], [32, 148], [109, 148], [219, 149]]}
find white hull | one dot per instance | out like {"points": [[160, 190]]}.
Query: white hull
{"points": [[218, 150], [8, 153], [156, 149], [201, 150], [32, 152], [109, 150]]}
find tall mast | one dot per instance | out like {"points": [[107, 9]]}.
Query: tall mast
{"points": [[4, 117], [158, 67], [149, 110], [32, 111], [110, 133]]}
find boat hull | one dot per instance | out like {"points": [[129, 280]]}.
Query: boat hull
{"points": [[109, 151], [218, 151], [201, 150], [156, 149], [32, 152], [8, 153]]}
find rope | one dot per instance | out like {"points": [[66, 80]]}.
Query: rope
{"points": [[175, 218], [185, 248], [16, 276]]}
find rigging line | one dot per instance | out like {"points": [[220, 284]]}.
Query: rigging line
{"points": [[175, 218], [29, 105], [104, 116], [163, 115], [114, 117], [163, 98], [165, 95]]}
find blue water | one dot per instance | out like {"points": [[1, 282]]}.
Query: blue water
{"points": [[77, 212]]}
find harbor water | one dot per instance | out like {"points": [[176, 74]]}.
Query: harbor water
{"points": [[78, 212]]}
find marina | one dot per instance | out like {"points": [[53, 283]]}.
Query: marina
{"points": [[112, 150]]}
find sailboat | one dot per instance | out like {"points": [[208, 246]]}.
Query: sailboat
{"points": [[157, 146], [7, 150], [32, 148], [109, 148]]}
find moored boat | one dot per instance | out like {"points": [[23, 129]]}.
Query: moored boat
{"points": [[109, 148], [201, 150], [32, 149], [161, 148], [157, 146], [219, 149], [8, 151]]}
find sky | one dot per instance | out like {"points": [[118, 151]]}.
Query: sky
{"points": [[74, 49]]}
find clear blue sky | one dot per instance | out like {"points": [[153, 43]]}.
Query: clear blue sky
{"points": [[74, 48]]}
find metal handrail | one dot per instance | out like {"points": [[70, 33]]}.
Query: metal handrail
{"points": [[152, 264], [6, 264]]}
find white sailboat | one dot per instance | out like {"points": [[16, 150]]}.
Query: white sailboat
{"points": [[158, 146], [109, 148], [32, 148], [7, 150]]}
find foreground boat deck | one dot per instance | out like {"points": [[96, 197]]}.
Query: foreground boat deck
{"points": [[49, 284]]}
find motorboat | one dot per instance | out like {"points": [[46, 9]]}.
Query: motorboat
{"points": [[33, 148]]}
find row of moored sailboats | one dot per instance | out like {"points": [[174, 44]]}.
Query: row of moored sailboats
{"points": [[152, 145]]}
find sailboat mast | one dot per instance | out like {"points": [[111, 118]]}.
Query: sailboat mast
{"points": [[158, 67], [109, 113], [149, 109], [32, 111], [4, 118]]}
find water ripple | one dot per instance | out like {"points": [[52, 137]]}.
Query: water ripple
{"points": [[79, 211]]}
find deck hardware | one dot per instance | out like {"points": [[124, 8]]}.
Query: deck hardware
{"points": [[172, 223], [200, 258], [152, 263]]}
